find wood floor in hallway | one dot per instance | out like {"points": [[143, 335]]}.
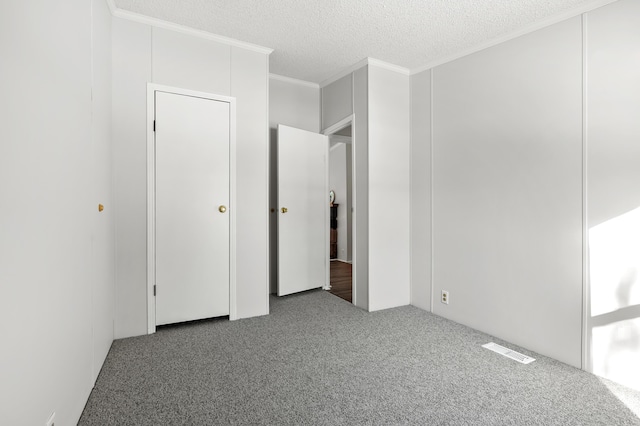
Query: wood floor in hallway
{"points": [[341, 280]]}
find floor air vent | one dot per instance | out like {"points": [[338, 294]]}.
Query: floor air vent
{"points": [[509, 353]]}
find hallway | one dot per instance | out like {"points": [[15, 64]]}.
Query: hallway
{"points": [[341, 280]]}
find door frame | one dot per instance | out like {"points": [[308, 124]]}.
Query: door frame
{"points": [[345, 122], [152, 88]]}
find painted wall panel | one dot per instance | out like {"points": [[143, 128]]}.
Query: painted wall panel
{"points": [[47, 209], [389, 180], [135, 63], [421, 190], [337, 101], [189, 62], [103, 239], [348, 211], [338, 178], [613, 193], [507, 199], [294, 105], [361, 162], [249, 86], [131, 72], [297, 106]]}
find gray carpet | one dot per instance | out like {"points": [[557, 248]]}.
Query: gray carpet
{"points": [[317, 360]]}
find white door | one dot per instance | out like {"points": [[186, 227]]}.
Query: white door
{"points": [[192, 199], [303, 206]]}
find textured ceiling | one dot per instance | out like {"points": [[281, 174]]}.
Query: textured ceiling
{"points": [[315, 39]]}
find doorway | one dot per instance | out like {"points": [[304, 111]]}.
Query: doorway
{"points": [[301, 210], [190, 191], [342, 238]]}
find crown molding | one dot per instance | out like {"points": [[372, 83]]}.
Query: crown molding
{"points": [[344, 72], [159, 23], [112, 6], [386, 65], [515, 34], [366, 61], [124, 14], [294, 81]]}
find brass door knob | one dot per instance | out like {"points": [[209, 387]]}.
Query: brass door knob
{"points": [[222, 209], [284, 210]]}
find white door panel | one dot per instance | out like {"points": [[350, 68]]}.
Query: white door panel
{"points": [[303, 192], [192, 182]]}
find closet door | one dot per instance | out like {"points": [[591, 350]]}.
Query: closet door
{"points": [[192, 198]]}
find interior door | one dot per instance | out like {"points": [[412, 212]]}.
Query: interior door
{"points": [[303, 201], [192, 197]]}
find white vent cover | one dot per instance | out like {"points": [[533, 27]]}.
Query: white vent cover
{"points": [[509, 353]]}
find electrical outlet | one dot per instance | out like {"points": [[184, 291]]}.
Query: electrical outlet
{"points": [[52, 420], [445, 297]]}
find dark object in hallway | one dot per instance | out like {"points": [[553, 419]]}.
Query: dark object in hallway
{"points": [[341, 280], [333, 241]]}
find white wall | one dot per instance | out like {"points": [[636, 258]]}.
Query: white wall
{"points": [[389, 181], [613, 190], [421, 190], [338, 179], [250, 86], [360, 147], [346, 96], [181, 60], [348, 210], [131, 72], [337, 101], [379, 99], [103, 238], [56, 249], [294, 104], [519, 150], [297, 105], [142, 54], [507, 190]]}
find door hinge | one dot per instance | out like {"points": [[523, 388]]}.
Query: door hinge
{"points": [[154, 289], [154, 125]]}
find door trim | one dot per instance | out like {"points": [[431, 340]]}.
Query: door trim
{"points": [[152, 88], [347, 121]]}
